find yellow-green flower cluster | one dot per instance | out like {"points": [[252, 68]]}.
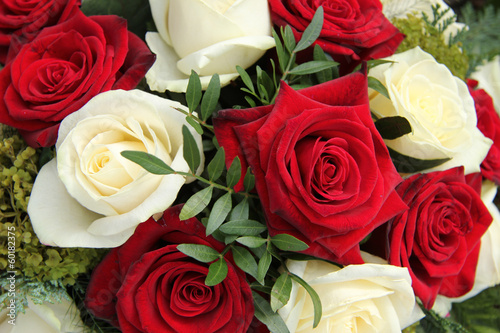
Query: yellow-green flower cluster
{"points": [[430, 39], [33, 260]]}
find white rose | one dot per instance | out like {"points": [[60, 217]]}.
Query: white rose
{"points": [[488, 76], [356, 298], [488, 263], [207, 36], [400, 9], [61, 317], [438, 106], [91, 196]]}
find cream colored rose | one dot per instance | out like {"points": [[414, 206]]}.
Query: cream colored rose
{"points": [[438, 106], [356, 298], [488, 76], [55, 317], [207, 36], [400, 9], [91, 196]]}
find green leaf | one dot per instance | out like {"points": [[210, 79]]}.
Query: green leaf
{"points": [[318, 309], [283, 57], [312, 31], [287, 242], [199, 252], [193, 92], [249, 180], [190, 149], [250, 101], [196, 125], [219, 212], [251, 241], [263, 266], [267, 316], [211, 97], [217, 272], [289, 39], [312, 67], [243, 227], [216, 165], [229, 239], [280, 294], [378, 86], [149, 162], [408, 164], [393, 127], [196, 203], [234, 172], [244, 259], [246, 78], [241, 211], [319, 55]]}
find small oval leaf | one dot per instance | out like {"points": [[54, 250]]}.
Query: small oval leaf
{"points": [[311, 33], [196, 203], [243, 227], [393, 127], [210, 97], [199, 252], [217, 272], [149, 162], [216, 165], [280, 293], [190, 150], [219, 212], [234, 172], [193, 91], [244, 260], [287, 242]]}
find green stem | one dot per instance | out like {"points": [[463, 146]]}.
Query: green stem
{"points": [[201, 122]]}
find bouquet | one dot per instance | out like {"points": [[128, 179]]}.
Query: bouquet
{"points": [[249, 166]]}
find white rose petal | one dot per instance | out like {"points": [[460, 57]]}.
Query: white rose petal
{"points": [[488, 76], [438, 106], [227, 33], [94, 197], [57, 317], [356, 298]]}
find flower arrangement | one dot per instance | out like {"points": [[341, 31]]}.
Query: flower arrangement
{"points": [[249, 166]]}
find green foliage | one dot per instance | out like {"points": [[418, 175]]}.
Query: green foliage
{"points": [[263, 88], [481, 40], [480, 313], [420, 32], [39, 292], [33, 260], [136, 12]]}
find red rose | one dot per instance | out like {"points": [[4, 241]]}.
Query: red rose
{"points": [[26, 18], [438, 238], [488, 123], [147, 285], [63, 68], [323, 173], [353, 30]]}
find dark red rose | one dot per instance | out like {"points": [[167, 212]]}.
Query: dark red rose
{"points": [[438, 238], [353, 30], [488, 123], [147, 285], [323, 173], [26, 18], [63, 68]]}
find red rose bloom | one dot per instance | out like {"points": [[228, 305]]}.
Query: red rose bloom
{"points": [[25, 19], [147, 285], [438, 238], [353, 30], [323, 173], [63, 68], [488, 123]]}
